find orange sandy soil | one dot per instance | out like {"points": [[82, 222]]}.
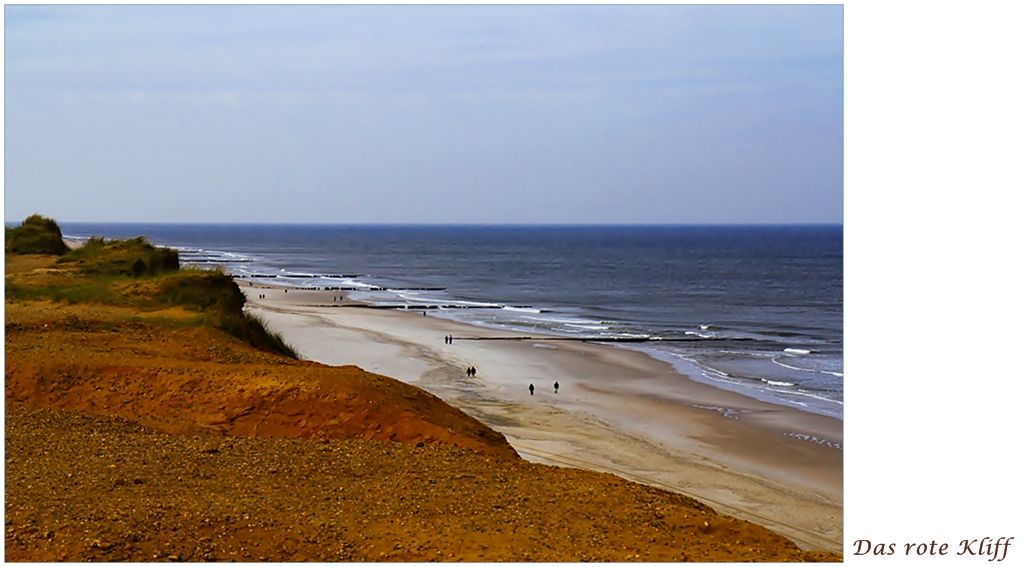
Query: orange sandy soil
{"points": [[144, 436]]}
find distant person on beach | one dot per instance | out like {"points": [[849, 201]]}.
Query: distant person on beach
{"points": [[556, 387], [469, 371], [531, 389], [474, 371]]}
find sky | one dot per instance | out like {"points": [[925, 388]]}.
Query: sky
{"points": [[485, 114]]}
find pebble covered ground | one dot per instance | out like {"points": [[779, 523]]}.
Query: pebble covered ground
{"points": [[81, 487]]}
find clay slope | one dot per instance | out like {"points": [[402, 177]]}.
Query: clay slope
{"points": [[196, 380]]}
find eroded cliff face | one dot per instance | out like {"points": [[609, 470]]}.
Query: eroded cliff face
{"points": [[167, 369], [196, 380], [140, 434]]}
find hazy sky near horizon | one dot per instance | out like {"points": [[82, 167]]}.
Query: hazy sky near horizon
{"points": [[424, 114]]}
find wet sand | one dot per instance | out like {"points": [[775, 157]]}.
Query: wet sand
{"points": [[617, 410]]}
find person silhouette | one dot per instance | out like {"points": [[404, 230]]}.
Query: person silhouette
{"points": [[556, 387], [531, 389]]}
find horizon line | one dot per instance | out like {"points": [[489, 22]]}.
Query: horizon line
{"points": [[453, 225]]}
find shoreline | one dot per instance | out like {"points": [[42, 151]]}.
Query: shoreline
{"points": [[618, 410]]}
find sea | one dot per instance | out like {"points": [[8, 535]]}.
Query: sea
{"points": [[753, 309]]}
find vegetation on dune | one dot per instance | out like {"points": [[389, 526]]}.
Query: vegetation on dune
{"points": [[132, 257], [216, 295], [35, 235], [134, 272]]}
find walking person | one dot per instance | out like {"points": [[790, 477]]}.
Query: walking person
{"points": [[556, 386], [531, 389]]}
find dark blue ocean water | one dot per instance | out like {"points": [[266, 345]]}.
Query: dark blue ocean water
{"points": [[756, 309]]}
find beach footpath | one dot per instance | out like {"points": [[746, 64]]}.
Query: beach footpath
{"points": [[149, 417]]}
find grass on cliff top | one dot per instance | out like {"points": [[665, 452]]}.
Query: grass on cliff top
{"points": [[134, 273]]}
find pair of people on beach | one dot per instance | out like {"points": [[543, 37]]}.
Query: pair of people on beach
{"points": [[471, 371], [448, 338], [556, 388]]}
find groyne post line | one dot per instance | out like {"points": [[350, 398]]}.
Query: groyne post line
{"points": [[585, 339], [545, 338]]}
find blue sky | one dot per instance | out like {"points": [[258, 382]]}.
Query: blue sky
{"points": [[425, 114]]}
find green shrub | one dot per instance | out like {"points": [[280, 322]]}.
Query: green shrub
{"points": [[36, 235]]}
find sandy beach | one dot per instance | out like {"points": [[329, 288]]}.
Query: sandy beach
{"points": [[617, 410]]}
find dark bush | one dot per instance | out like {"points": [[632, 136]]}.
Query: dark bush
{"points": [[203, 290], [36, 235]]}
